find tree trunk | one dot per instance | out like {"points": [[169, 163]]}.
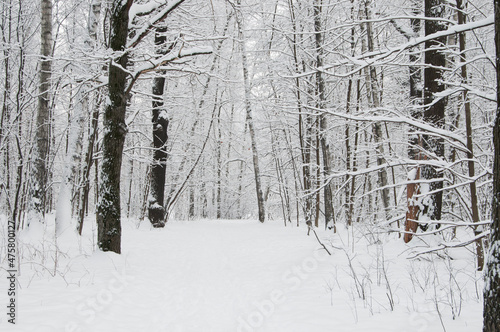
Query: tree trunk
{"points": [[192, 202], [249, 118], [307, 171], [6, 25], [89, 160], [414, 150], [435, 62], [130, 184], [73, 157], [468, 127], [305, 182], [350, 185], [156, 209], [323, 122], [218, 153], [373, 91], [43, 121], [115, 129], [17, 209], [491, 313], [93, 24]]}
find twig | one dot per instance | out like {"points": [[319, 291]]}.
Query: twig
{"points": [[309, 225], [446, 245]]}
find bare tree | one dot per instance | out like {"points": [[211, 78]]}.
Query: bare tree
{"points": [[83, 197], [373, 89], [461, 11], [414, 150], [43, 120], [156, 210], [491, 313], [249, 117], [115, 129], [323, 122], [435, 61]]}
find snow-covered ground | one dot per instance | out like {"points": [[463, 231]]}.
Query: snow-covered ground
{"points": [[240, 276]]}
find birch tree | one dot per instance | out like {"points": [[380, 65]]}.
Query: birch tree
{"points": [[249, 113], [414, 150], [43, 120], [76, 130]]}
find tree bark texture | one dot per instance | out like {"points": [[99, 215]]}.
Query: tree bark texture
{"points": [[43, 120], [115, 129], [249, 118], [323, 122], [491, 313], [91, 43], [72, 163], [435, 61], [374, 96], [414, 150], [156, 209], [470, 147]]}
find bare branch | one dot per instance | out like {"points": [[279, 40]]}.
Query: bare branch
{"points": [[164, 60], [447, 245], [371, 58]]}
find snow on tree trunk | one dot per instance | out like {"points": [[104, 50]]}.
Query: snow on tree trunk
{"points": [[415, 80], [91, 43], [43, 121], [435, 61], [156, 209], [470, 148], [249, 118], [63, 207], [115, 129], [373, 91], [320, 87], [76, 129], [491, 313]]}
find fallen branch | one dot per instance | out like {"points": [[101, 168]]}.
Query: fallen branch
{"points": [[309, 225], [446, 245]]}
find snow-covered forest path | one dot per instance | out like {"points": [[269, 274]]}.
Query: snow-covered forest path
{"points": [[197, 276], [221, 276], [189, 276]]}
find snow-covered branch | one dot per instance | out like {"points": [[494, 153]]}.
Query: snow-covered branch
{"points": [[400, 119], [141, 9], [164, 60], [148, 26], [373, 58], [448, 245]]}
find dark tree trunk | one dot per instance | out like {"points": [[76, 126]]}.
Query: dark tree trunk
{"points": [[461, 10], [374, 96], [5, 116], [115, 129], [435, 61], [491, 311], [89, 160], [320, 87], [156, 209]]}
